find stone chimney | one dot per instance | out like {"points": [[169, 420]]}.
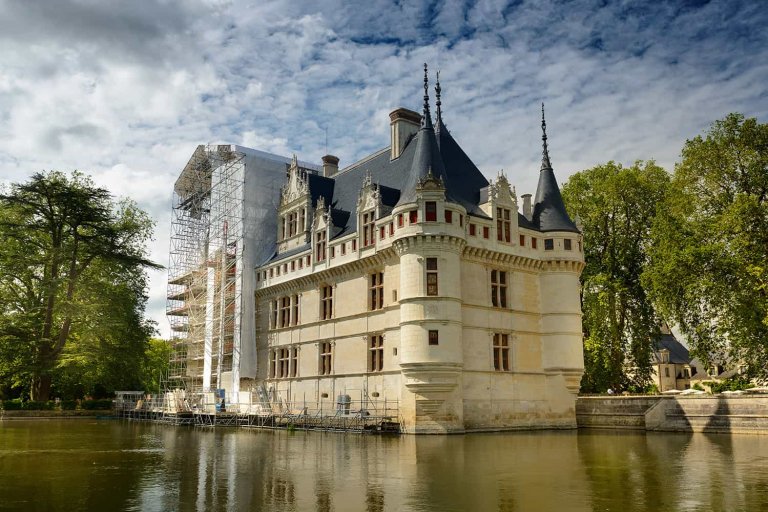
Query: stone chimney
{"points": [[403, 123], [330, 165], [527, 206]]}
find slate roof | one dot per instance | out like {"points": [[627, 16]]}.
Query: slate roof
{"points": [[434, 149], [678, 354]]}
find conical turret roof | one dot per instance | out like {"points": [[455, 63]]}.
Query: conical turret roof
{"points": [[549, 213], [426, 159]]}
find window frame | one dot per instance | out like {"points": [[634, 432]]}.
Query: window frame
{"points": [[375, 353], [325, 358], [501, 351], [326, 302], [499, 286], [375, 291], [431, 277]]}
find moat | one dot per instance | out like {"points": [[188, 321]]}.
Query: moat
{"points": [[120, 465]]}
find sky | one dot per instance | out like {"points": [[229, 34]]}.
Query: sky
{"points": [[125, 91]]}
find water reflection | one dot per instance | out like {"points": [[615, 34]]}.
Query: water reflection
{"points": [[123, 466]]}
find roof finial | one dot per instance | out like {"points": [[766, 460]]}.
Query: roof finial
{"points": [[426, 120], [438, 102], [545, 163]]}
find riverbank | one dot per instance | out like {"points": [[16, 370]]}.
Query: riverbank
{"points": [[716, 414], [53, 415]]}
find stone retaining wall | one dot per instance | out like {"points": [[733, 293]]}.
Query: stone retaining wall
{"points": [[733, 414]]}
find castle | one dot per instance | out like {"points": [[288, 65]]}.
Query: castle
{"points": [[409, 276]]}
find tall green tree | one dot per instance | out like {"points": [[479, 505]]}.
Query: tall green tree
{"points": [[616, 206], [71, 273], [709, 261]]}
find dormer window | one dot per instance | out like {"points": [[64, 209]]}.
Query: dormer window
{"points": [[430, 211], [503, 225], [320, 244], [369, 233]]}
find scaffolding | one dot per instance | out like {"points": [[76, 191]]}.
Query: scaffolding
{"points": [[205, 272]]}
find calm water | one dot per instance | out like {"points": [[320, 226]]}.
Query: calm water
{"points": [[113, 465]]}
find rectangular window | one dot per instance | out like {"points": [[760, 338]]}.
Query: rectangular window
{"points": [[503, 225], [274, 307], [472, 229], [320, 246], [333, 251], [285, 311], [272, 364], [549, 244], [486, 232], [301, 262], [368, 229], [381, 233], [522, 240], [295, 313], [567, 244], [579, 245], [344, 248], [391, 228], [448, 217], [292, 219], [501, 352], [461, 220], [498, 289], [326, 302], [433, 338], [294, 361], [326, 358], [283, 363], [375, 353], [413, 216], [430, 211], [376, 288], [400, 220], [533, 242], [666, 371], [354, 245], [302, 223], [431, 276], [293, 265]]}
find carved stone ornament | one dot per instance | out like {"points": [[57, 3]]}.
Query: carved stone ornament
{"points": [[430, 182], [369, 196], [297, 185]]}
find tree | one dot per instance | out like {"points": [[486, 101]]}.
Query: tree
{"points": [[67, 250], [709, 262], [616, 205]]}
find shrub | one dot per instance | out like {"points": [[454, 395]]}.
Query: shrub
{"points": [[68, 405], [12, 405], [698, 387], [736, 383], [97, 405], [38, 406]]}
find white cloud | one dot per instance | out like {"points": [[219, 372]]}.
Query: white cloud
{"points": [[125, 91]]}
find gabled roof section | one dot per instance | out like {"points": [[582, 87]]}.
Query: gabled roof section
{"points": [[549, 213], [678, 354], [427, 159]]}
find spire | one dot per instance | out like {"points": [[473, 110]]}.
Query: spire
{"points": [[438, 103], [426, 118], [545, 163], [549, 213]]}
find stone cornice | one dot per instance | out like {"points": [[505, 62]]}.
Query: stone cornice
{"points": [[356, 267]]}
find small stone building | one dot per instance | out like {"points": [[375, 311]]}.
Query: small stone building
{"points": [[410, 277]]}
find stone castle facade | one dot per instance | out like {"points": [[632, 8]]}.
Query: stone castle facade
{"points": [[410, 277]]}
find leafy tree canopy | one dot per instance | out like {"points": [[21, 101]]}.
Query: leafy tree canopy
{"points": [[708, 267], [72, 285], [616, 206]]}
